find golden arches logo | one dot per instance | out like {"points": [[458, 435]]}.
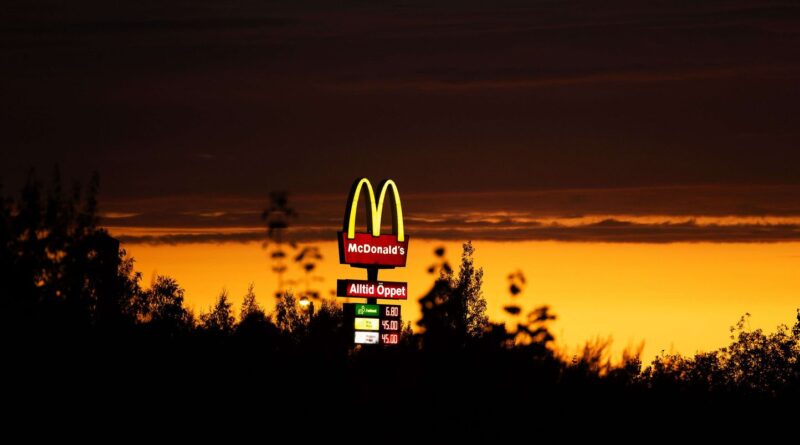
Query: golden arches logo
{"points": [[374, 210]]}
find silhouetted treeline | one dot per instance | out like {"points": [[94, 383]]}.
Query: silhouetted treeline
{"points": [[78, 323]]}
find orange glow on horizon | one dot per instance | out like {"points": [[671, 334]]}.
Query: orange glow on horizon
{"points": [[678, 297]]}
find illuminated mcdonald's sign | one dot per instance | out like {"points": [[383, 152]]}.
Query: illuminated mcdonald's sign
{"points": [[373, 324], [371, 249]]}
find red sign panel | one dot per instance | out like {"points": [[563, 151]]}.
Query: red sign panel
{"points": [[366, 250], [390, 290]]}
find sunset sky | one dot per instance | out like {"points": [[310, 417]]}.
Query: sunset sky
{"points": [[638, 161]]}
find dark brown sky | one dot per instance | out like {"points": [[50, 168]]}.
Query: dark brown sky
{"points": [[171, 99]]}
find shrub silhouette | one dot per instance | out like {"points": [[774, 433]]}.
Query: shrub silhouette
{"points": [[219, 320], [454, 310], [755, 364]]}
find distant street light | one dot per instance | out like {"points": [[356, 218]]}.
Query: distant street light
{"points": [[307, 306]]}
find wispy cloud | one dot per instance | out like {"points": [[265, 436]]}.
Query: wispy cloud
{"points": [[118, 215], [639, 215]]}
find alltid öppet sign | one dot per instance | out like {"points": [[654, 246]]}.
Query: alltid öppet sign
{"points": [[373, 251], [390, 290]]}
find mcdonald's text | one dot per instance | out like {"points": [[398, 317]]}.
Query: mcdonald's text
{"points": [[367, 250]]}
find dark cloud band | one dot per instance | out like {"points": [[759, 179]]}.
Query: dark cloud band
{"points": [[614, 231], [645, 215]]}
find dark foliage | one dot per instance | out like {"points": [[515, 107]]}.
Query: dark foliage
{"points": [[77, 325]]}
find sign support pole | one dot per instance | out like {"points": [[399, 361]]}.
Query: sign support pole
{"points": [[372, 275]]}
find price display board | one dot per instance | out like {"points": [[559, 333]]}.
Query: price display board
{"points": [[373, 324]]}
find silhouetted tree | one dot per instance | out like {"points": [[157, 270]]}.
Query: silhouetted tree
{"points": [[469, 296], [754, 364], [454, 310], [254, 326], [59, 270], [287, 315], [250, 306], [277, 217], [219, 319], [437, 319], [535, 331], [161, 307], [407, 336], [531, 334], [325, 331]]}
